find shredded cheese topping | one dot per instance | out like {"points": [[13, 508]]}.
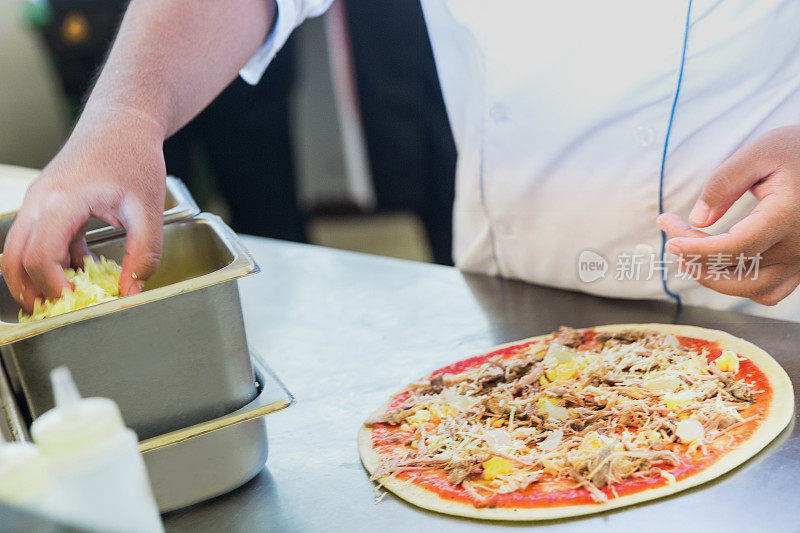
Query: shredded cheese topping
{"points": [[95, 283], [626, 405]]}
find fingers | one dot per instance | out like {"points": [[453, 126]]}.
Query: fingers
{"points": [[47, 253], [781, 291], [79, 249], [19, 283], [674, 227], [768, 283], [757, 285], [730, 181], [142, 246], [769, 168], [36, 253], [764, 227]]}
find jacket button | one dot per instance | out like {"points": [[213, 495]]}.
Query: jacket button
{"points": [[645, 135], [498, 113]]}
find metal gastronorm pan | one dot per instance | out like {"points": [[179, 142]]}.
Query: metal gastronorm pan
{"points": [[178, 205], [171, 356], [208, 459], [199, 462]]}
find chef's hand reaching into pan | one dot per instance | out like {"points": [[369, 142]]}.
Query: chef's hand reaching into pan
{"points": [[169, 60], [115, 173], [769, 167]]}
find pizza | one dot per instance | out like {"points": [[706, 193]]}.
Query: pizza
{"points": [[577, 421]]}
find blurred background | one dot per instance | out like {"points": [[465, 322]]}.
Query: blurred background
{"points": [[344, 143]]}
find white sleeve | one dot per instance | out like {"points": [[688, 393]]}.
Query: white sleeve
{"points": [[290, 14]]}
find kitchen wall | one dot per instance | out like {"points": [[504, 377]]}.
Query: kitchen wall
{"points": [[32, 122]]}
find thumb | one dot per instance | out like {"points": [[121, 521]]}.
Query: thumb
{"points": [[142, 248], [673, 226], [729, 182]]}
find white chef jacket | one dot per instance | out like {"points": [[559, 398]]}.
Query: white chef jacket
{"points": [[561, 111]]}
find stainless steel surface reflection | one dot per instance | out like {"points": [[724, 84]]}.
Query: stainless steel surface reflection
{"points": [[345, 330]]}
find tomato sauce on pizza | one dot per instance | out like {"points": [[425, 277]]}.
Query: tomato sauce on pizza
{"points": [[573, 418]]}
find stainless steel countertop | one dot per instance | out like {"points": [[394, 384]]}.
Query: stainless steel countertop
{"points": [[345, 330]]}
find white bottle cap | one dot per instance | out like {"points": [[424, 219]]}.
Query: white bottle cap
{"points": [[74, 424], [22, 472]]}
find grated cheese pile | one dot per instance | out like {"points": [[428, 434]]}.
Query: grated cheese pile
{"points": [[627, 405], [95, 283]]}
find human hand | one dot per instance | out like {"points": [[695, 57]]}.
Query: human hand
{"points": [[112, 168], [769, 167]]}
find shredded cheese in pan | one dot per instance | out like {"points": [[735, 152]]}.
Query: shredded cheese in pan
{"points": [[95, 283], [618, 410]]}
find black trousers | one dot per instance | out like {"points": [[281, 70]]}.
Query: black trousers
{"points": [[410, 145], [246, 134]]}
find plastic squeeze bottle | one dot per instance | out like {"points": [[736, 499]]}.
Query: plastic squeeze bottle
{"points": [[23, 477], [99, 477]]}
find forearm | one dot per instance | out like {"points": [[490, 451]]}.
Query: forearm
{"points": [[172, 57]]}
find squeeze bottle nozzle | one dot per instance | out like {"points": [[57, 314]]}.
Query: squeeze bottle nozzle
{"points": [[65, 392]]}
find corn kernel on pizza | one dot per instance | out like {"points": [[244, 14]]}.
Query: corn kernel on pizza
{"points": [[578, 421]]}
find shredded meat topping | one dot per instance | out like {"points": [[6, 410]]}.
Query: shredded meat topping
{"points": [[596, 410]]}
